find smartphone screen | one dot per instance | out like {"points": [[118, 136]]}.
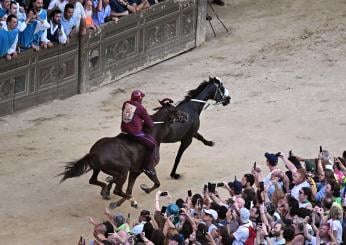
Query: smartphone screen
{"points": [[163, 209]]}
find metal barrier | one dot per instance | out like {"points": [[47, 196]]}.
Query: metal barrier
{"points": [[115, 50]]}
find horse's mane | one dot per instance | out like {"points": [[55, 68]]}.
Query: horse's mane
{"points": [[194, 92]]}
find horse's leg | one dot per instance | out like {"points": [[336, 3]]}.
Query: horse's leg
{"points": [[156, 185], [201, 138], [131, 181], [119, 183], [118, 190], [93, 181], [183, 145]]}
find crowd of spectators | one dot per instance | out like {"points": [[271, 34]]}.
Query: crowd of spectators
{"points": [[300, 201], [26, 24]]}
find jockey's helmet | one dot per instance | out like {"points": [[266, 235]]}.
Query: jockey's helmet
{"points": [[137, 96]]}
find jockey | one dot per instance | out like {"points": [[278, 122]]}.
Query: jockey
{"points": [[134, 117]]}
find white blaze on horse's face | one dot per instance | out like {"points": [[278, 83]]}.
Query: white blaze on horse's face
{"points": [[219, 79], [226, 93]]}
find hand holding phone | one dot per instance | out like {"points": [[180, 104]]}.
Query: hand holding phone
{"points": [[163, 209]]}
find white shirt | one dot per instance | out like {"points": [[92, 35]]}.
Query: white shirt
{"points": [[57, 3], [295, 190], [241, 234], [336, 226]]}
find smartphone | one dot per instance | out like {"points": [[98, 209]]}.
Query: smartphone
{"points": [[290, 154], [164, 193], [205, 188], [254, 165], [189, 193], [213, 186], [209, 187], [163, 209], [261, 186], [128, 218], [320, 148], [220, 184]]}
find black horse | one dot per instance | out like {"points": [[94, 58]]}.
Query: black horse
{"points": [[193, 105], [117, 156]]}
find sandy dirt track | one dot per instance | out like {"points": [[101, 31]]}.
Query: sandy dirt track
{"points": [[284, 64]]}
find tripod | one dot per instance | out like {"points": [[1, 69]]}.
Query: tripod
{"points": [[217, 16]]}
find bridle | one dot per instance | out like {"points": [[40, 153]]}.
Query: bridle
{"points": [[217, 102]]}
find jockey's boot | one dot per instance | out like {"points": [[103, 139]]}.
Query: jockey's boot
{"points": [[219, 2]]}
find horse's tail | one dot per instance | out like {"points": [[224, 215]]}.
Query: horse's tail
{"points": [[77, 168]]}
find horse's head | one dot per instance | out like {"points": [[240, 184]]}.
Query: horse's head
{"points": [[170, 112], [221, 94]]}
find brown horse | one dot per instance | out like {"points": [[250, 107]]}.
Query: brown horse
{"points": [[117, 156]]}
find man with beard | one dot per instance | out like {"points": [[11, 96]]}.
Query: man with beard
{"points": [[56, 33], [40, 37], [277, 233], [248, 193]]}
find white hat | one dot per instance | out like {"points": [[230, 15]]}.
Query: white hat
{"points": [[212, 212], [244, 215]]}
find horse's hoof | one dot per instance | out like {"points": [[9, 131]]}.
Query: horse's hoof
{"points": [[113, 205], [210, 143], [134, 204], [109, 179], [144, 188], [175, 176], [105, 194]]}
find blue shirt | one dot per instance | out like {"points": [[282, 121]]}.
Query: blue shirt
{"points": [[26, 37], [99, 17], [37, 36], [68, 24], [2, 12]]}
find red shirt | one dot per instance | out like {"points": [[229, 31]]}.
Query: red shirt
{"points": [[134, 117]]}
